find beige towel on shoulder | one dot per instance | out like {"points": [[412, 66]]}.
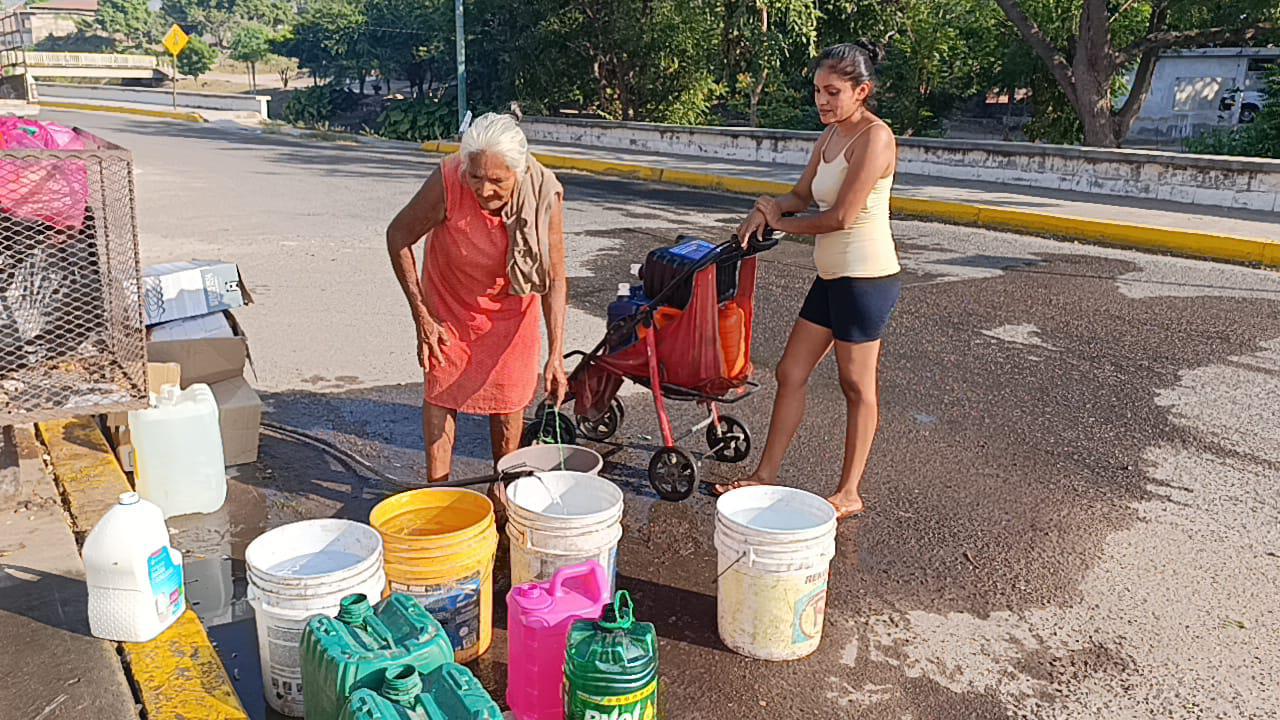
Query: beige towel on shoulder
{"points": [[528, 220]]}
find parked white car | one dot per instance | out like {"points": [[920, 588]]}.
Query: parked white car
{"points": [[1251, 102]]}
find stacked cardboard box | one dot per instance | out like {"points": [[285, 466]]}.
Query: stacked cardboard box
{"points": [[199, 341]]}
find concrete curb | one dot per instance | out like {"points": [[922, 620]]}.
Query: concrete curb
{"points": [[178, 674], [1190, 243], [163, 114]]}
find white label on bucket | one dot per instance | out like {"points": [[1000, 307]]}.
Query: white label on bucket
{"points": [[282, 644]]}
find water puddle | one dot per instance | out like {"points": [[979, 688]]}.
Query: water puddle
{"points": [[213, 548]]}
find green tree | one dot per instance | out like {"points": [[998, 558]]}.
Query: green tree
{"points": [[1088, 46], [197, 58], [130, 20], [765, 40], [274, 14], [331, 40], [628, 59], [411, 40], [251, 45]]}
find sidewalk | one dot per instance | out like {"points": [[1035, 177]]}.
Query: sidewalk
{"points": [[1198, 230], [51, 665]]}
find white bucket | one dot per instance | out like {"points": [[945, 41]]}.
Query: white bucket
{"points": [[775, 546], [553, 458], [558, 519], [296, 572]]}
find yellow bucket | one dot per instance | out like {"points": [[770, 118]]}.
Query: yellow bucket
{"points": [[438, 546]]}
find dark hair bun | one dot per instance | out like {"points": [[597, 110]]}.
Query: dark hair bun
{"points": [[874, 51]]}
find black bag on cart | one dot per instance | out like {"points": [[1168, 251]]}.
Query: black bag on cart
{"points": [[664, 267]]}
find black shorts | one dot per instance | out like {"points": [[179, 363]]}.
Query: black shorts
{"points": [[855, 310]]}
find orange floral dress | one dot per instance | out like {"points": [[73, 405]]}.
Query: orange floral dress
{"points": [[491, 361]]}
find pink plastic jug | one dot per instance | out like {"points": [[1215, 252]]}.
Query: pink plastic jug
{"points": [[538, 620]]}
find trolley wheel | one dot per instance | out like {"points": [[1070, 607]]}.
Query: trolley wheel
{"points": [[673, 474], [606, 426], [729, 440], [549, 427]]}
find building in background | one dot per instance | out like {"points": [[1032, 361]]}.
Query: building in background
{"points": [[1198, 90], [33, 22]]}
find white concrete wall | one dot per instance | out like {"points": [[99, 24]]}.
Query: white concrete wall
{"points": [[162, 99], [1250, 183]]}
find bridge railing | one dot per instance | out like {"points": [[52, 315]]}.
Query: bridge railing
{"points": [[98, 60]]}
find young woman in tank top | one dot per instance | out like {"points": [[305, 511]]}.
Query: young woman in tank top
{"points": [[848, 307]]}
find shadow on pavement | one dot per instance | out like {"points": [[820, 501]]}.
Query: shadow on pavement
{"points": [[53, 600]]}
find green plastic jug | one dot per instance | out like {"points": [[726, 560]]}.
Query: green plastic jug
{"points": [[354, 650], [611, 667], [450, 692]]}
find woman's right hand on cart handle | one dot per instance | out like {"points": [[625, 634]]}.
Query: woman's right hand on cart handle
{"points": [[752, 228], [432, 336]]}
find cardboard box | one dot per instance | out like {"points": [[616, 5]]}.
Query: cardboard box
{"points": [[205, 360], [240, 413], [158, 375], [205, 327], [174, 291]]}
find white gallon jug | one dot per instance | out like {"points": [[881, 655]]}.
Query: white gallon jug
{"points": [[178, 462], [134, 577]]}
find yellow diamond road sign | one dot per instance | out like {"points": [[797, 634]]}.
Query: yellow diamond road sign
{"points": [[175, 41]]}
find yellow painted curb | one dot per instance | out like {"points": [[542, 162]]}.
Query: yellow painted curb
{"points": [[85, 470], [164, 114], [178, 675], [1212, 246]]}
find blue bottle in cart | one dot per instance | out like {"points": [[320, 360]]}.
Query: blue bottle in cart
{"points": [[629, 302]]}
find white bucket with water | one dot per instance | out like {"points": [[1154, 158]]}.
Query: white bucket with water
{"points": [[558, 519], [552, 458], [775, 546], [296, 572]]}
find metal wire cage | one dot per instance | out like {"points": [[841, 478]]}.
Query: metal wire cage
{"points": [[72, 338]]}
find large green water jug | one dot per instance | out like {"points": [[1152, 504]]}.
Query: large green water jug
{"points": [[354, 650], [450, 692], [611, 667]]}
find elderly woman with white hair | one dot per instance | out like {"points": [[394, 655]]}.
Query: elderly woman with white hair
{"points": [[493, 221]]}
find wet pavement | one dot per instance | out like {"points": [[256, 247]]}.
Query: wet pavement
{"points": [[1072, 507]]}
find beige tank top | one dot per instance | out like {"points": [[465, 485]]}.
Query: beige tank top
{"points": [[867, 248]]}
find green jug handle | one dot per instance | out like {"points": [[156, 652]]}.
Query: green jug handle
{"points": [[623, 610], [374, 626]]}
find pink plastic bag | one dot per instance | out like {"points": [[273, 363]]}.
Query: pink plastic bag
{"points": [[50, 191]]}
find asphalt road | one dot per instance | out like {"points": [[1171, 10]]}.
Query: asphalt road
{"points": [[1072, 499]]}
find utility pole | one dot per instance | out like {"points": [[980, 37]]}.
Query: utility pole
{"points": [[462, 61]]}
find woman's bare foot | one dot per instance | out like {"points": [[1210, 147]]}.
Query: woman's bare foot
{"points": [[753, 479], [845, 507]]}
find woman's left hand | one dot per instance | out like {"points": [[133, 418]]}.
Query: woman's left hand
{"points": [[769, 208], [554, 381]]}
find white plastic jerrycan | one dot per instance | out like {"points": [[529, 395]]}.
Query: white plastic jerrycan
{"points": [[135, 578], [177, 442]]}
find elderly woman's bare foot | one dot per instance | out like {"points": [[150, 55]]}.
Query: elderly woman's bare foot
{"points": [[756, 478], [847, 507]]}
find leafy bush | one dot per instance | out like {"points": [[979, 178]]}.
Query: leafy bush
{"points": [[318, 105], [417, 120]]}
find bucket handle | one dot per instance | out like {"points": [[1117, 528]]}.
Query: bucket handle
{"points": [[749, 554]]}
